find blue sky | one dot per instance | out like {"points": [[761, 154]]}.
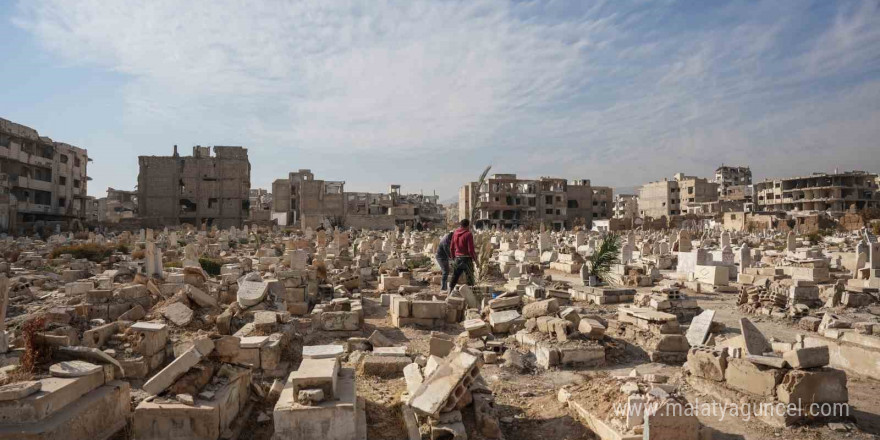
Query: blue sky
{"points": [[427, 93]]}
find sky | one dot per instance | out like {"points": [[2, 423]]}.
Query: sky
{"points": [[425, 94]]}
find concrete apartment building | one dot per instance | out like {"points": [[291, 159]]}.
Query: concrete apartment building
{"points": [[40, 180], [833, 192], [197, 189], [626, 206], [728, 177], [676, 197], [304, 202], [602, 203], [505, 201], [392, 209]]}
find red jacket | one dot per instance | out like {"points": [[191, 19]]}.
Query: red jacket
{"points": [[462, 244]]}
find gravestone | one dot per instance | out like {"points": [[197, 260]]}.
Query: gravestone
{"points": [[699, 328], [755, 342]]}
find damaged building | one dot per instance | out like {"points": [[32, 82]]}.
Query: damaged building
{"points": [[197, 189], [41, 181], [675, 197], [505, 201], [302, 201], [834, 192]]}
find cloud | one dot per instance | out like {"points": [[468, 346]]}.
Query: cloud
{"points": [[621, 93]]}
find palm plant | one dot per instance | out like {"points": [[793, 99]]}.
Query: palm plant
{"points": [[480, 182], [606, 255], [484, 256]]}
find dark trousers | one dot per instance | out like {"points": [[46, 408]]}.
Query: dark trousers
{"points": [[444, 270], [463, 265]]}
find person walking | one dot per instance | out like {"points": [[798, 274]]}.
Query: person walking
{"points": [[462, 251], [443, 257]]}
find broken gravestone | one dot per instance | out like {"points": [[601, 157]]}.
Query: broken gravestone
{"points": [[755, 342], [699, 328]]}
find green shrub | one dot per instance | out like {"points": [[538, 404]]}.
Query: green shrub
{"points": [[176, 263], [123, 248], [211, 265], [90, 251]]}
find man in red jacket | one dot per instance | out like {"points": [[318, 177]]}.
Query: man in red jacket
{"points": [[461, 249]]}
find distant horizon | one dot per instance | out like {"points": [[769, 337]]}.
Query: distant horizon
{"points": [[426, 94]]}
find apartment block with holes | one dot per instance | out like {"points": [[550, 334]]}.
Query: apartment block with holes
{"points": [[42, 182]]}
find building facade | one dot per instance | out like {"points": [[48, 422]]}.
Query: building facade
{"points": [[602, 203], [673, 197], [728, 176], [41, 181], [833, 192], [304, 202], [199, 189], [505, 201], [626, 206]]}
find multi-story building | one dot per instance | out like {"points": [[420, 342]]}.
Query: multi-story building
{"points": [[302, 201], [674, 197], [728, 176], [198, 189], [392, 209], [603, 202], [834, 192], [626, 206], [506, 201], [40, 179]]}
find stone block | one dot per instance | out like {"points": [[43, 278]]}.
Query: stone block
{"points": [[814, 386], [446, 385], [476, 328], [328, 420], [505, 321], [98, 414], [440, 344], [540, 308], [164, 378], [316, 373], [429, 309], [385, 366], [753, 379], [707, 364], [803, 358]]}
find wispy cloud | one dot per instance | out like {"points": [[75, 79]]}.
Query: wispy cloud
{"points": [[619, 93]]}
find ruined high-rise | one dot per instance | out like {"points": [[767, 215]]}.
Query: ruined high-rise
{"points": [[195, 189]]}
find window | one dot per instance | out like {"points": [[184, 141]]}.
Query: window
{"points": [[690, 190], [76, 183], [548, 200], [5, 140], [42, 198], [549, 212], [63, 158], [62, 202], [76, 161], [62, 180]]}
